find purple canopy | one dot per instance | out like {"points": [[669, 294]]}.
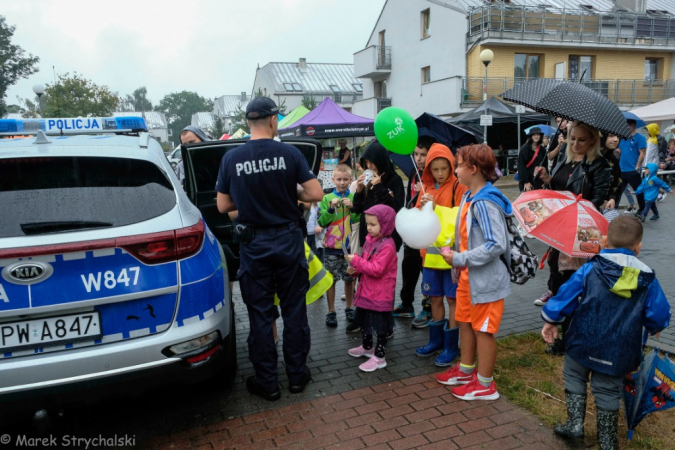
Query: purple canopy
{"points": [[327, 121]]}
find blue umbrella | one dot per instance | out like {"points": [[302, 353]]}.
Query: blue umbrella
{"points": [[445, 133], [546, 129], [649, 389], [639, 122]]}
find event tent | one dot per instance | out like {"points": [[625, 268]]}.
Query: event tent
{"points": [[328, 121], [656, 112], [293, 116], [240, 133]]}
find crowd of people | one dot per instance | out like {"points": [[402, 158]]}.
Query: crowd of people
{"points": [[465, 280]]}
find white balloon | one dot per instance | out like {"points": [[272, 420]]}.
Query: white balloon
{"points": [[418, 228]]}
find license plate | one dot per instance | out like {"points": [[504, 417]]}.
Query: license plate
{"points": [[49, 331]]}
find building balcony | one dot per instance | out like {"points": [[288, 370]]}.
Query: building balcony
{"points": [[373, 62], [346, 99], [625, 93], [382, 103], [550, 26]]}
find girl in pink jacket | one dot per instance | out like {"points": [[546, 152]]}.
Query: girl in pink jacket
{"points": [[374, 297]]}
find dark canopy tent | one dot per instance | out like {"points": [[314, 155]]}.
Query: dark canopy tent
{"points": [[328, 121], [504, 130]]}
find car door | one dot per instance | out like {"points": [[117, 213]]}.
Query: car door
{"points": [[202, 162]]}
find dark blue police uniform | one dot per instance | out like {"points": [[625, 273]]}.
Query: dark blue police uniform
{"points": [[261, 177]]}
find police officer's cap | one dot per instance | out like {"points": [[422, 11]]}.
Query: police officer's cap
{"points": [[261, 107]]}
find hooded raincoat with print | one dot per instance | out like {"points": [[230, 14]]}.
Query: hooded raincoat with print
{"points": [[651, 184], [652, 154], [378, 265], [614, 297]]}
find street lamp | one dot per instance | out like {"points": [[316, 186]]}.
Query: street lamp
{"points": [[229, 126], [39, 89], [486, 56]]}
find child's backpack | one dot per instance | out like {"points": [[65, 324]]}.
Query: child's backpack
{"points": [[523, 263]]}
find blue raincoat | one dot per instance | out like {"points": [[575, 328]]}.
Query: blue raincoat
{"points": [[612, 298]]}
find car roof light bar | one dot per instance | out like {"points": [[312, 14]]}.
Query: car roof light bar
{"points": [[72, 126]]}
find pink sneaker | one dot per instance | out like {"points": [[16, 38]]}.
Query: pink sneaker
{"points": [[454, 377], [373, 364], [476, 391], [360, 351]]}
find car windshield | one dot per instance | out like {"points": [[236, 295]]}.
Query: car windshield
{"points": [[59, 194]]}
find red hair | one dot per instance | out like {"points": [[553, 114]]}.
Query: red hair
{"points": [[480, 156]]}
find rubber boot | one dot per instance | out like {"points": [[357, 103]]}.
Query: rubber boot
{"points": [[435, 344], [608, 422], [450, 347], [576, 413]]}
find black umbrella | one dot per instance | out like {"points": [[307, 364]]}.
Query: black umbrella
{"points": [[572, 101], [445, 133]]}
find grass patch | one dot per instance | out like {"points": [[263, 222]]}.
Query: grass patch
{"points": [[523, 368]]}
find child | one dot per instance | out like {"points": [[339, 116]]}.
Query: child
{"points": [[650, 186], [484, 282], [376, 270], [411, 267], [313, 227], [385, 188], [336, 217], [443, 188], [613, 297]]}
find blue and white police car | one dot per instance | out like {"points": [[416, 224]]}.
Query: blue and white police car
{"points": [[109, 275]]}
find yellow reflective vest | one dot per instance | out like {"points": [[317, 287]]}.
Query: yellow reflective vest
{"points": [[446, 238], [319, 278]]}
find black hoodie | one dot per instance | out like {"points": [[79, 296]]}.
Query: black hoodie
{"points": [[389, 192]]}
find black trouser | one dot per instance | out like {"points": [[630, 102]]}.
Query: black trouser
{"points": [[633, 178], [272, 263], [556, 279], [411, 267]]}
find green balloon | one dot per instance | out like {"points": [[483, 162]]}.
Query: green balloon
{"points": [[396, 130]]}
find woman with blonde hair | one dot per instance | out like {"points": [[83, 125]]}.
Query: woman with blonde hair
{"points": [[583, 171]]}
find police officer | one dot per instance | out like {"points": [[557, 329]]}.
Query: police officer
{"points": [[262, 179]]}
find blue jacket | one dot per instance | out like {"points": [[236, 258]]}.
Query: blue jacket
{"points": [[612, 299], [650, 185], [489, 279]]}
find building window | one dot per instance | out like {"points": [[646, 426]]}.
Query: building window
{"points": [[581, 68], [358, 87], [380, 89], [334, 88], [292, 87], [653, 68], [426, 74], [526, 66], [425, 16]]}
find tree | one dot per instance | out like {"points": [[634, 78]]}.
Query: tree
{"points": [[218, 128], [239, 119], [309, 102], [137, 101], [179, 108], [74, 96], [13, 64]]}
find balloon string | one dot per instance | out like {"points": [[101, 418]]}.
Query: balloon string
{"points": [[417, 171]]}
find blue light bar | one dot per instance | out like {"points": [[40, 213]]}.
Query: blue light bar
{"points": [[73, 125]]}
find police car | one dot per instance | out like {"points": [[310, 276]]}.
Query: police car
{"points": [[109, 273]]}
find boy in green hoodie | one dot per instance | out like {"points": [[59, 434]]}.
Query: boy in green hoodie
{"points": [[336, 218]]}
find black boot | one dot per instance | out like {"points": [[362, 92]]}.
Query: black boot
{"points": [[576, 412], [608, 423]]}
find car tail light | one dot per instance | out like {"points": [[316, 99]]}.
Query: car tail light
{"points": [[153, 248]]}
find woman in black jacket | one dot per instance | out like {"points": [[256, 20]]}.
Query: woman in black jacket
{"points": [[610, 142], [583, 171], [530, 156], [386, 187]]}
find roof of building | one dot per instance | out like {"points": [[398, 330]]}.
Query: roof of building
{"points": [[153, 119], [203, 120], [589, 5], [226, 105], [317, 78]]}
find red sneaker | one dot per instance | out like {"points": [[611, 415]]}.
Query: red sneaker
{"points": [[541, 301], [476, 391], [454, 377]]}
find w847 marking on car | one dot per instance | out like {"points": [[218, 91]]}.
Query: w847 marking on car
{"points": [[108, 279]]}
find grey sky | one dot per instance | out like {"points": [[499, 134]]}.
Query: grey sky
{"points": [[208, 46]]}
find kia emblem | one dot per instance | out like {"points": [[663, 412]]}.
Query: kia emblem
{"points": [[27, 272]]}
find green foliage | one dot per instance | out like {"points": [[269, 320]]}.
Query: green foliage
{"points": [[74, 96], [309, 102], [239, 119], [137, 101], [218, 128], [13, 64], [179, 108]]}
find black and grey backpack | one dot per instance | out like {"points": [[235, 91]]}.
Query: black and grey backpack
{"points": [[523, 263]]}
